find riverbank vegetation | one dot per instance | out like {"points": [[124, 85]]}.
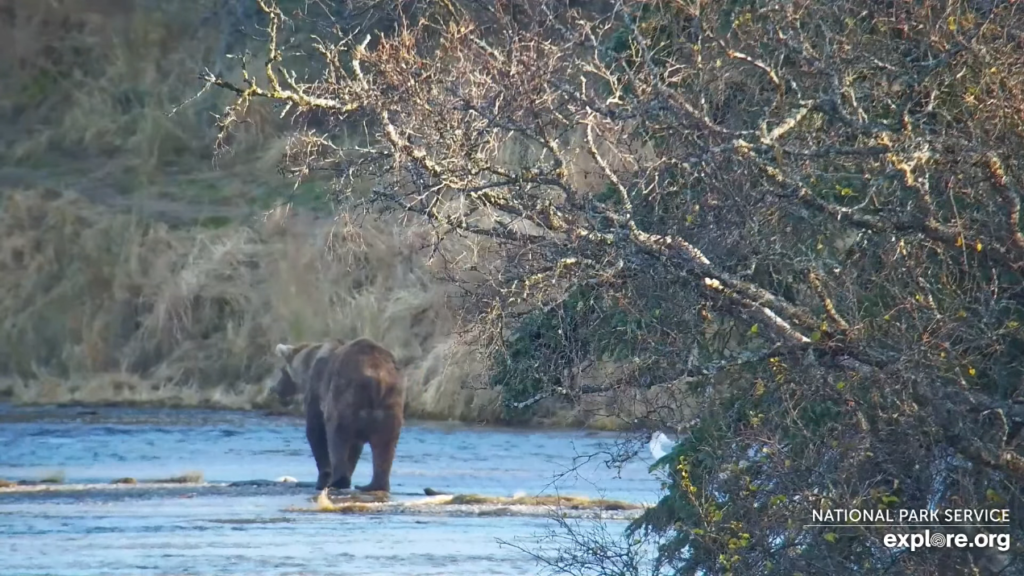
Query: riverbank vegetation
{"points": [[137, 271]]}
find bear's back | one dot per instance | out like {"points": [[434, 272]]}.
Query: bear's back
{"points": [[364, 375]]}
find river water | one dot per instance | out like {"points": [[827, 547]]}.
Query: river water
{"points": [[88, 526]]}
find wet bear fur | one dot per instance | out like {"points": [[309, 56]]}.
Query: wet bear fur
{"points": [[353, 395]]}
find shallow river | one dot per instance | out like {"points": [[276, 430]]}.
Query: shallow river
{"points": [[215, 529]]}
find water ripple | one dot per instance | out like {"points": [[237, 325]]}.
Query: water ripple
{"points": [[218, 530]]}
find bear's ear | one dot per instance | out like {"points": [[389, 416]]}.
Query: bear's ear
{"points": [[285, 351]]}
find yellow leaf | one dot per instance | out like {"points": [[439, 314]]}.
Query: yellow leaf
{"points": [[753, 329], [831, 537], [959, 241], [951, 23], [971, 370], [978, 246]]}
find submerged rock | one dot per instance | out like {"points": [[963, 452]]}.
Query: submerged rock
{"points": [[187, 478], [283, 480]]}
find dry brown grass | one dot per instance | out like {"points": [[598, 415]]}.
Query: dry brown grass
{"points": [[102, 307]]}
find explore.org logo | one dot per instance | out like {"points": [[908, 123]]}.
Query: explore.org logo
{"points": [[929, 539], [950, 528]]}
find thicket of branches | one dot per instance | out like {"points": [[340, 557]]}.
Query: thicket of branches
{"points": [[808, 210]]}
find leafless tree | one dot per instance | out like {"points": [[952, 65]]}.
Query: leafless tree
{"points": [[808, 211]]}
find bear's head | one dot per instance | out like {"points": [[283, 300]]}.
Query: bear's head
{"points": [[285, 388], [298, 363]]}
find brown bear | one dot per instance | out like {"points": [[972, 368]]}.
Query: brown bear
{"points": [[353, 395]]}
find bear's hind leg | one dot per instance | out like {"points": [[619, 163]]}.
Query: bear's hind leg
{"points": [[355, 451], [382, 444], [316, 434], [339, 442]]}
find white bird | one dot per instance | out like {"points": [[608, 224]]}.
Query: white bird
{"points": [[660, 445]]}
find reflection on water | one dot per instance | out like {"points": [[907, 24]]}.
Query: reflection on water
{"points": [[249, 530]]}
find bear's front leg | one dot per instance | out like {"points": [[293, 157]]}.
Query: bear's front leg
{"points": [[316, 434]]}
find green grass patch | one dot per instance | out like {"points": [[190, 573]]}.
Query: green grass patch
{"points": [[56, 477]]}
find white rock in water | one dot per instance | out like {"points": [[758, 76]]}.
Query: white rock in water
{"points": [[286, 479], [660, 445]]}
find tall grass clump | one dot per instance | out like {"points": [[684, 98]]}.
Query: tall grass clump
{"points": [[180, 300], [103, 307]]}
